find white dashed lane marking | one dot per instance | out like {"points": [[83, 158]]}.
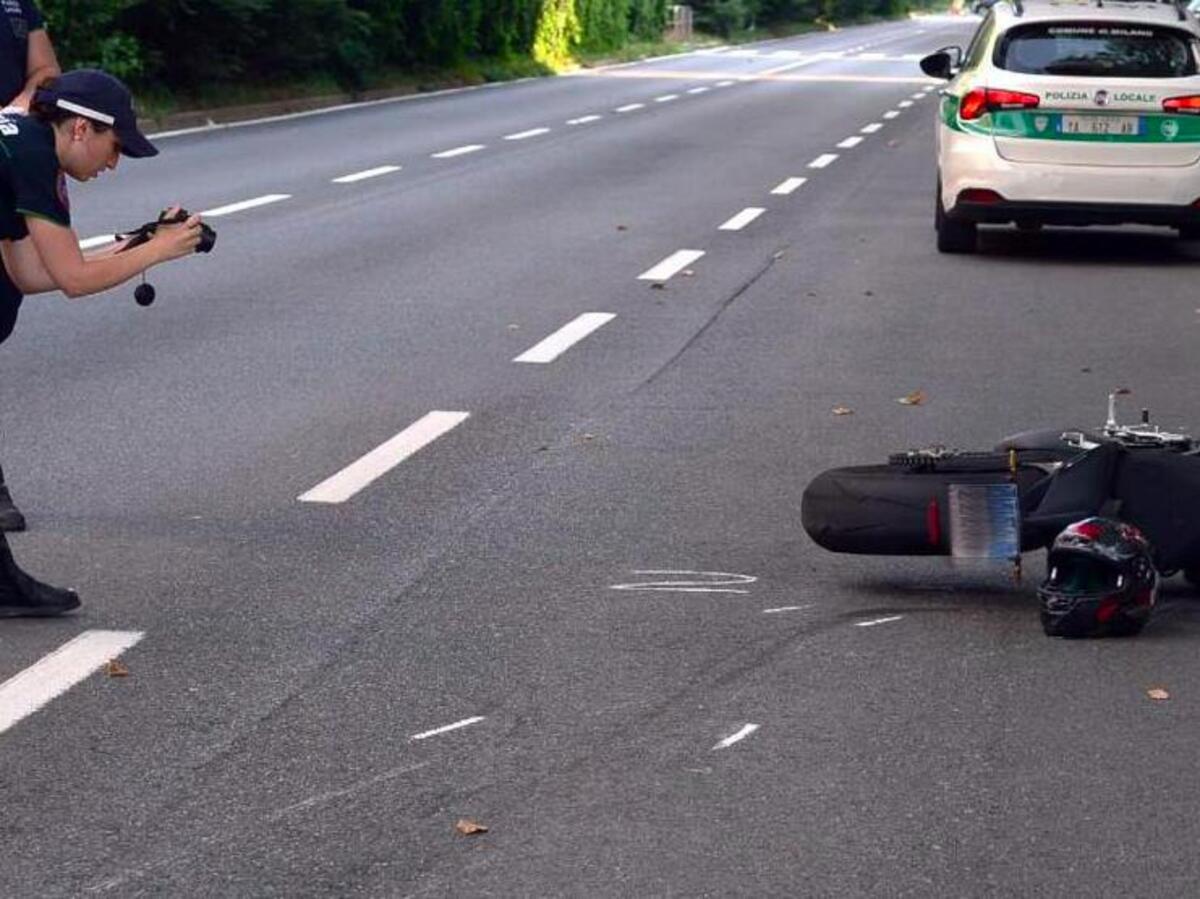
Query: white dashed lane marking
{"points": [[565, 337], [872, 128], [354, 477], [369, 173], [666, 98], [525, 135], [457, 725], [875, 621], [850, 142], [459, 151], [725, 83], [742, 219], [671, 266], [782, 609], [585, 120], [42, 682], [738, 737], [630, 107], [904, 104], [699, 90], [822, 161], [788, 186], [890, 114], [244, 205]]}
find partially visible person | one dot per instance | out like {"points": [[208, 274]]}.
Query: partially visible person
{"points": [[27, 60], [78, 125]]}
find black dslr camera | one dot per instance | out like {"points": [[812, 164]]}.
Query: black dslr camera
{"points": [[144, 294]]}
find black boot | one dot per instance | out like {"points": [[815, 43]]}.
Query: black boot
{"points": [[23, 597], [11, 518]]}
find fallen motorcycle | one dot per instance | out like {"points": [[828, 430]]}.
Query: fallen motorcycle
{"points": [[1018, 496]]}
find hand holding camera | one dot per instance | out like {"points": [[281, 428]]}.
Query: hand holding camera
{"points": [[178, 233]]}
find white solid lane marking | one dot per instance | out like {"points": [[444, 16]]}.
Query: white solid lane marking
{"points": [[699, 90], [788, 186], [850, 142], [890, 114], [98, 241], [630, 107], [672, 265], [742, 219], [354, 477], [459, 151], [666, 98], [37, 685], [872, 128], [369, 173], [822, 161], [244, 204], [584, 120], [876, 621], [740, 735], [565, 337], [466, 722], [785, 609], [904, 104], [525, 135]]}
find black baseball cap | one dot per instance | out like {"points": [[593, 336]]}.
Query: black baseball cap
{"points": [[98, 96]]}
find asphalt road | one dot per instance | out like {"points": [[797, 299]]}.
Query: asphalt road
{"points": [[582, 612]]}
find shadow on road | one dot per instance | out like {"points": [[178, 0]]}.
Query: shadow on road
{"points": [[1095, 246]]}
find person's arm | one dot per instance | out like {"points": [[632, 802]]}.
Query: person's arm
{"points": [[41, 65], [50, 258]]}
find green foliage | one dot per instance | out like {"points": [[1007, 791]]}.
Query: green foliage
{"points": [[198, 46]]}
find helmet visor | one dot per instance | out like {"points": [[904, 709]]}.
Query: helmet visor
{"points": [[1083, 576]]}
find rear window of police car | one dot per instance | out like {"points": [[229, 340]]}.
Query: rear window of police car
{"points": [[1097, 50]]}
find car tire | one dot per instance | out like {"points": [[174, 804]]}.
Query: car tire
{"points": [[1189, 232], [952, 236], [1192, 576]]}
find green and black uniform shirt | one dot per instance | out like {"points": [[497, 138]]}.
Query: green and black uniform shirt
{"points": [[31, 184]]}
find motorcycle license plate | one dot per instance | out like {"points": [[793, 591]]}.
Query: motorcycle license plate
{"points": [[1120, 125]]}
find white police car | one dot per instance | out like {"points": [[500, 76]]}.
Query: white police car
{"points": [[1070, 112]]}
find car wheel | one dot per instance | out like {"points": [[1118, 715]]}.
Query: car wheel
{"points": [[952, 236]]}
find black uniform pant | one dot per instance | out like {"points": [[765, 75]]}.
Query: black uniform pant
{"points": [[10, 304]]}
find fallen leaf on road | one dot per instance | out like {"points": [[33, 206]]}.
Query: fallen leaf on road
{"points": [[468, 827], [622, 227], [842, 410], [916, 398], [1158, 694], [1086, 371], [116, 669], [1122, 391]]}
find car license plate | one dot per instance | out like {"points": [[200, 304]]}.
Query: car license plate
{"points": [[1120, 125]]}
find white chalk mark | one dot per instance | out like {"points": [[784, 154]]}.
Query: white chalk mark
{"points": [[565, 337], [466, 722], [74, 661], [692, 582], [354, 477], [738, 737]]}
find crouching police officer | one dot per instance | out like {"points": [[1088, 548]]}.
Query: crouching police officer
{"points": [[79, 125]]}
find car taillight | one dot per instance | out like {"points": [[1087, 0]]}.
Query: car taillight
{"points": [[986, 99], [1182, 104]]}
